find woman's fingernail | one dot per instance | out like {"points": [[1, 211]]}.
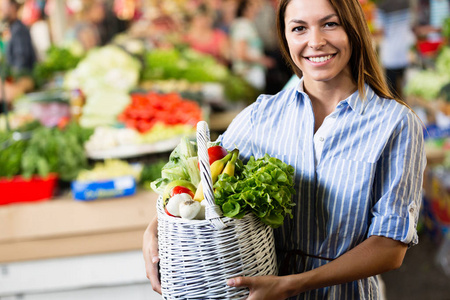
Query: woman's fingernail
{"points": [[230, 282], [155, 259]]}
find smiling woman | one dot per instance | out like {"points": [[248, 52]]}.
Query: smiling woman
{"points": [[318, 44], [358, 155]]}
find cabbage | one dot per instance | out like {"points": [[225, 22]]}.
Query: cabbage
{"points": [[182, 165], [104, 68], [426, 84], [105, 75]]}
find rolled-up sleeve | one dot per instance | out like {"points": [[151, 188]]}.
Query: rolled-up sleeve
{"points": [[398, 183]]}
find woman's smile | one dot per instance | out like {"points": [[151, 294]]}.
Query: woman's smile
{"points": [[318, 44], [320, 60]]}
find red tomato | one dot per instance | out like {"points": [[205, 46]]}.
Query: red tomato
{"points": [[216, 153], [181, 190]]}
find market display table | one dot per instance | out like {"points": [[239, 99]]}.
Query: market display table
{"points": [[64, 227], [67, 249]]}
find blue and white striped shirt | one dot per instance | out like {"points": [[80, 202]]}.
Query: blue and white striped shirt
{"points": [[367, 182]]}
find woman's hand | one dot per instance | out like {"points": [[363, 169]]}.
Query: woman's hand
{"points": [[263, 287], [150, 251], [374, 256]]}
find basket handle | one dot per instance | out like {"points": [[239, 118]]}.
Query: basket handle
{"points": [[213, 213]]}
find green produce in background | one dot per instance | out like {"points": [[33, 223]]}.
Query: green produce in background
{"points": [[446, 28], [192, 66], [428, 83], [150, 173], [10, 154], [59, 59], [110, 169], [48, 150]]}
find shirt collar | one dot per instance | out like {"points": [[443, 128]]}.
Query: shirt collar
{"points": [[357, 103]]}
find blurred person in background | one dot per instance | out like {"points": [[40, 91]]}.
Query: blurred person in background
{"points": [[86, 29], [226, 15], [40, 35], [204, 38], [277, 75], [112, 24], [19, 53], [429, 18], [247, 48], [394, 28]]}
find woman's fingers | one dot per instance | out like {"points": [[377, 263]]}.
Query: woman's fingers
{"points": [[151, 257]]}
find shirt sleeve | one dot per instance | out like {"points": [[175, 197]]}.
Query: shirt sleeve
{"points": [[398, 183], [239, 133]]}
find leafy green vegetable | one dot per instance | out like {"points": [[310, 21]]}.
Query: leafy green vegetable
{"points": [[426, 84], [181, 165], [187, 64], [182, 64], [59, 59], [446, 28], [263, 186], [107, 68], [11, 152], [49, 150]]}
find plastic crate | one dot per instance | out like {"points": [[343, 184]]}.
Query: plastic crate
{"points": [[91, 190], [429, 48], [19, 189]]}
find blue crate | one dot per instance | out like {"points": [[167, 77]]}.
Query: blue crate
{"points": [[91, 190]]}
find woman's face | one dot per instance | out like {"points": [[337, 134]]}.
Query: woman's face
{"points": [[317, 42]]}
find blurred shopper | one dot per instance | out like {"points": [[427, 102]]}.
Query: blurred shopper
{"points": [[204, 38], [247, 49], [87, 27], [394, 23], [112, 24], [279, 74], [40, 36], [429, 18], [19, 53], [226, 15]]}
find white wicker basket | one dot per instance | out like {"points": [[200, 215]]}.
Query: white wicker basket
{"points": [[198, 256]]}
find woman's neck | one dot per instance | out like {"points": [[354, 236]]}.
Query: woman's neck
{"points": [[327, 94]]}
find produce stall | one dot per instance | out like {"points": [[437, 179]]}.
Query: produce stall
{"points": [[428, 93], [78, 155]]}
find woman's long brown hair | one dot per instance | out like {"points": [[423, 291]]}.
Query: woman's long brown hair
{"points": [[363, 62]]}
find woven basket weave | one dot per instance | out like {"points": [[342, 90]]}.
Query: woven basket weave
{"points": [[198, 256]]}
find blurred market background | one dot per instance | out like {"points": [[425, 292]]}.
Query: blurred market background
{"points": [[110, 88]]}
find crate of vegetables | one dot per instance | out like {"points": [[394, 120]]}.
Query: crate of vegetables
{"points": [[21, 189], [207, 232]]}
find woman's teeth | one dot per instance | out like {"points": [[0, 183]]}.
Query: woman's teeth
{"points": [[320, 58]]}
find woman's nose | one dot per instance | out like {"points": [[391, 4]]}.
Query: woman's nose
{"points": [[316, 40]]}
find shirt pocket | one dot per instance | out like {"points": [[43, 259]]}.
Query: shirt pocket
{"points": [[346, 179]]}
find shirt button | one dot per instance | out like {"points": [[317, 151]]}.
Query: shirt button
{"points": [[411, 210], [321, 139]]}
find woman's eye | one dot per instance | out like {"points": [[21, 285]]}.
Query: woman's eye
{"points": [[298, 28], [331, 24]]}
